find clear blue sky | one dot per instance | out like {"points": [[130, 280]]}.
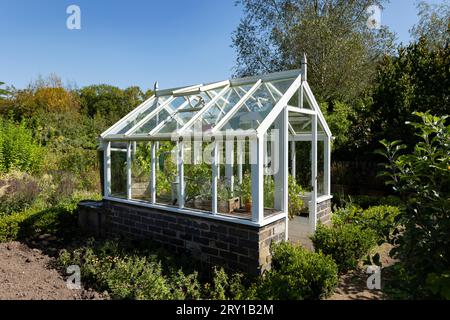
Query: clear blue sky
{"points": [[133, 42]]}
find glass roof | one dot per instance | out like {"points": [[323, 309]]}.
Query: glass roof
{"points": [[216, 108]]}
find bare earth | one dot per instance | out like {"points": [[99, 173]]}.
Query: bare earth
{"points": [[25, 274], [353, 285]]}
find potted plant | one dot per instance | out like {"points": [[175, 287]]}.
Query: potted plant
{"points": [[227, 203], [246, 192]]}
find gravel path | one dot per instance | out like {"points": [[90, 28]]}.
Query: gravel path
{"points": [[25, 274]]}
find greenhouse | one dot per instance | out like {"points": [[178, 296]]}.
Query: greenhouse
{"points": [[249, 151]]}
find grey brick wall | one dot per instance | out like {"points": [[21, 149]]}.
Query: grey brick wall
{"points": [[215, 242], [324, 212]]}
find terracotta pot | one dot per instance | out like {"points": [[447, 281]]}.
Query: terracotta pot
{"points": [[248, 207]]}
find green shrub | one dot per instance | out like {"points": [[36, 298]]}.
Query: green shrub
{"points": [[439, 285], [298, 274], [18, 150], [422, 179], [18, 191], [365, 201], [60, 220], [381, 219], [145, 274], [296, 202], [346, 243]]}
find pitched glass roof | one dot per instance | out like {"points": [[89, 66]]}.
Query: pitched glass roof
{"points": [[231, 105]]}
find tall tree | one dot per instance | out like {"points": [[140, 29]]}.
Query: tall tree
{"points": [[342, 49], [416, 79], [434, 24]]}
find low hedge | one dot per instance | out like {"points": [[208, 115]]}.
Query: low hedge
{"points": [[381, 219], [298, 274], [346, 244], [59, 220]]}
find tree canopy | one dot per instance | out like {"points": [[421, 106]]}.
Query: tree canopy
{"points": [[342, 50], [434, 24]]}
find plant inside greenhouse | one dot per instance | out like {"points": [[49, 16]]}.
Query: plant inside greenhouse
{"points": [[225, 150]]}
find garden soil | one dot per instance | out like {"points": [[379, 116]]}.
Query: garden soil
{"points": [[26, 274]]}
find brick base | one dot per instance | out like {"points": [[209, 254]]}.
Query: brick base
{"points": [[215, 242], [324, 212]]}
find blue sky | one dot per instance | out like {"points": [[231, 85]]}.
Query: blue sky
{"points": [[133, 42]]}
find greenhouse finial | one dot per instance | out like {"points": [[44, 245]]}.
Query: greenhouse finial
{"points": [[155, 86], [304, 67]]}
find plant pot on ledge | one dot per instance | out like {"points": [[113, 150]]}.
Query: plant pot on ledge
{"points": [[248, 206]]}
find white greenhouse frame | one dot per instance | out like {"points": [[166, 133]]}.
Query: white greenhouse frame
{"points": [[277, 114]]}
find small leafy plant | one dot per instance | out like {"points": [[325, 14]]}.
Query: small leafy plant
{"points": [[347, 244], [298, 274]]}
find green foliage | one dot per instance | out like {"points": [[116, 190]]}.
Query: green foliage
{"points": [[298, 274], [416, 79], [365, 201], [422, 179], [143, 274], [18, 192], [346, 243], [58, 220], [273, 35], [109, 101], [198, 182], [381, 219], [433, 25], [246, 188], [295, 192], [339, 117], [439, 285], [3, 92], [18, 150]]}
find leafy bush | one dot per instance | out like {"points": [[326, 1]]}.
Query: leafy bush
{"points": [[422, 179], [18, 191], [439, 285], [18, 150], [381, 219], [365, 201], [295, 197], [346, 243], [60, 220], [298, 274], [143, 274]]}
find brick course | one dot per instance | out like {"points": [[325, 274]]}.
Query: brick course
{"points": [[324, 212], [235, 246]]}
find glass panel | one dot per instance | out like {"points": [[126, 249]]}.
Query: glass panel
{"points": [[197, 176], [217, 111], [294, 102], [303, 172], [301, 123], [127, 125], [193, 105], [153, 122], [258, 105], [320, 168], [306, 103], [166, 174], [160, 116], [236, 201], [141, 170], [119, 169]]}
